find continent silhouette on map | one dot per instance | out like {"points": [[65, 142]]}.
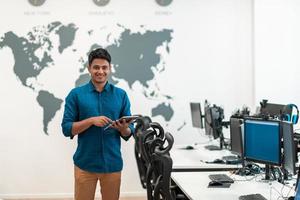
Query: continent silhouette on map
{"points": [[50, 105], [29, 65]]}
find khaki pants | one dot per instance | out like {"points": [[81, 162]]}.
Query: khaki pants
{"points": [[86, 182]]}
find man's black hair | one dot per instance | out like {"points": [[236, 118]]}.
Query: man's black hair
{"points": [[99, 53]]}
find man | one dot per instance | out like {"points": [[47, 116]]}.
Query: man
{"points": [[89, 110]]}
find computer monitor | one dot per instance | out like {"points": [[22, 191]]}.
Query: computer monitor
{"points": [[236, 136], [275, 110], [262, 141], [289, 153], [207, 120], [196, 115], [216, 121], [213, 121]]}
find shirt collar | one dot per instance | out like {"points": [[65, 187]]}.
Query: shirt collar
{"points": [[93, 88]]}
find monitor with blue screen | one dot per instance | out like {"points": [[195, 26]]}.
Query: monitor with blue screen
{"points": [[262, 141]]}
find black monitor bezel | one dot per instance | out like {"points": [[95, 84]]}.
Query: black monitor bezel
{"points": [[206, 124], [215, 131], [240, 121], [279, 142], [292, 146], [212, 125], [198, 108]]}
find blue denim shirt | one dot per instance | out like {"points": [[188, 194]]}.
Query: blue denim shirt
{"points": [[98, 150]]}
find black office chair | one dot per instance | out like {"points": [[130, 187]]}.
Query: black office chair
{"points": [[154, 161], [148, 136], [142, 124], [159, 184], [161, 156], [159, 172], [145, 131]]}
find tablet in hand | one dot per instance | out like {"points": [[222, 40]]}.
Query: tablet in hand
{"points": [[131, 118], [128, 119]]}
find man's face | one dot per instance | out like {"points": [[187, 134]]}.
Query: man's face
{"points": [[99, 70]]}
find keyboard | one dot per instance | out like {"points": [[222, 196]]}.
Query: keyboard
{"points": [[229, 158], [212, 147], [223, 178], [252, 197], [232, 160]]}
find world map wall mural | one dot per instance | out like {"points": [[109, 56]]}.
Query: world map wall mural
{"points": [[135, 60]]}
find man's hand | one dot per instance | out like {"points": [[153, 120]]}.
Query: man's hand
{"points": [[100, 121], [122, 127]]}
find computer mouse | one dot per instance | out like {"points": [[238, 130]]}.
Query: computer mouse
{"points": [[218, 161], [189, 147], [215, 183]]}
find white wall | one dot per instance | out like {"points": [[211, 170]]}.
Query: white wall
{"points": [[277, 47], [210, 58]]}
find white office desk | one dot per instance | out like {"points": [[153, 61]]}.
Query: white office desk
{"points": [[194, 185], [195, 159]]}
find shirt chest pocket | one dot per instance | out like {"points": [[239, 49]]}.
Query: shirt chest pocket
{"points": [[113, 109], [88, 109]]}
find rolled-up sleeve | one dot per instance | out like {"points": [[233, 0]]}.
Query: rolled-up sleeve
{"points": [[126, 112], [70, 114]]}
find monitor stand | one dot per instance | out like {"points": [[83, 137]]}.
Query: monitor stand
{"points": [[244, 171], [214, 147], [269, 170]]}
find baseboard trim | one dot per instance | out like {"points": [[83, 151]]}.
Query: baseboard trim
{"points": [[62, 195]]}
